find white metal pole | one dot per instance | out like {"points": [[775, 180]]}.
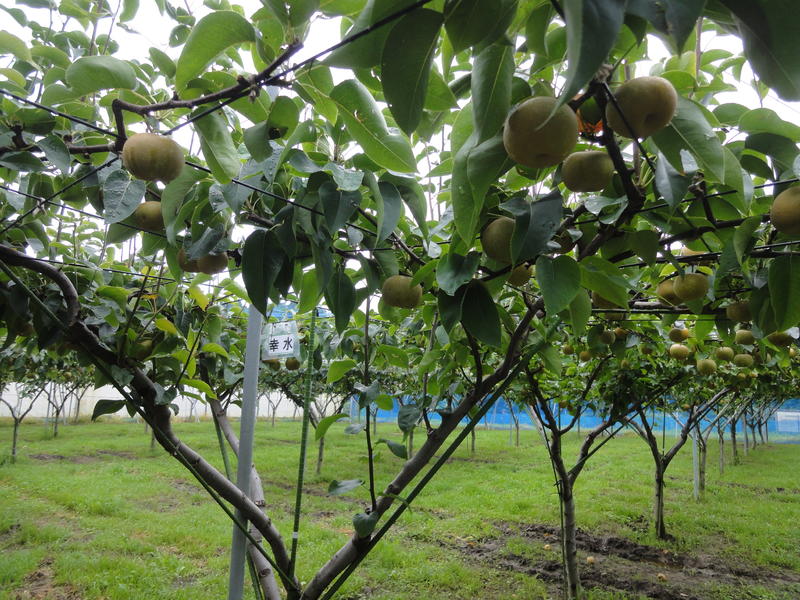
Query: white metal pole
{"points": [[252, 361]]}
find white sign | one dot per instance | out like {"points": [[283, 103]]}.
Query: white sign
{"points": [[282, 340]]}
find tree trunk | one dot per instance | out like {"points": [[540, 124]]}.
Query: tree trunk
{"points": [[703, 459], [320, 454], [14, 437], [746, 440], [410, 443], [695, 466], [516, 426], [761, 432], [274, 412], [733, 442], [572, 583], [658, 503], [57, 412], [472, 442], [753, 435], [721, 435]]}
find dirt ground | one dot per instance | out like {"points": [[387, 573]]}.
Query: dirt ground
{"points": [[620, 565]]}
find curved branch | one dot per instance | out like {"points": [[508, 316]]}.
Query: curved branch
{"points": [[18, 259], [160, 415]]}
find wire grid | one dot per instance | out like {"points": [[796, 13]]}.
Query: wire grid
{"points": [[389, 19]]}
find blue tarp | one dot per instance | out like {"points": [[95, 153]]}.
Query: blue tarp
{"points": [[499, 417]]}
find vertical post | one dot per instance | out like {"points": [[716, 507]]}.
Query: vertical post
{"points": [[301, 470], [252, 360], [695, 467]]}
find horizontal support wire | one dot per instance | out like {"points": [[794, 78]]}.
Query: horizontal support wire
{"points": [[54, 195], [58, 113], [660, 205]]}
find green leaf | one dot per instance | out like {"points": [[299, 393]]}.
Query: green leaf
{"points": [[164, 63], [338, 206], [337, 488], [365, 123], [340, 296], [129, 9], [217, 146], [475, 169], [671, 184], [309, 293], [200, 298], [408, 416], [676, 18], [559, 280], [199, 384], [11, 44], [479, 314], [764, 120], [390, 209], [536, 223], [414, 197], [394, 355], [536, 28], [21, 161], [262, 260], [325, 423], [398, 449], [454, 270], [491, 88], [744, 237], [366, 51], [365, 523], [121, 196], [211, 35], [165, 325], [580, 309], [51, 54], [470, 22], [93, 73], [606, 279], [315, 85], [172, 199], [450, 307], [784, 291], [691, 131], [214, 349], [551, 358], [56, 152], [107, 407], [592, 29], [404, 75], [338, 368], [770, 35], [115, 293]]}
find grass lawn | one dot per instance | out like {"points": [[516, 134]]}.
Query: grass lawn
{"points": [[97, 514]]}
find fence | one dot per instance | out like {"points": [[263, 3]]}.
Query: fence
{"points": [[783, 426]]}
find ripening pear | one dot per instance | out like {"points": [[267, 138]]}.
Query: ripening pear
{"points": [[536, 142], [152, 157], [785, 211], [648, 103], [397, 291]]}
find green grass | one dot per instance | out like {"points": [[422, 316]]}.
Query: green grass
{"points": [[110, 518]]}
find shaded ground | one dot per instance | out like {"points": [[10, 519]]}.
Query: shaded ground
{"points": [[621, 565]]}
